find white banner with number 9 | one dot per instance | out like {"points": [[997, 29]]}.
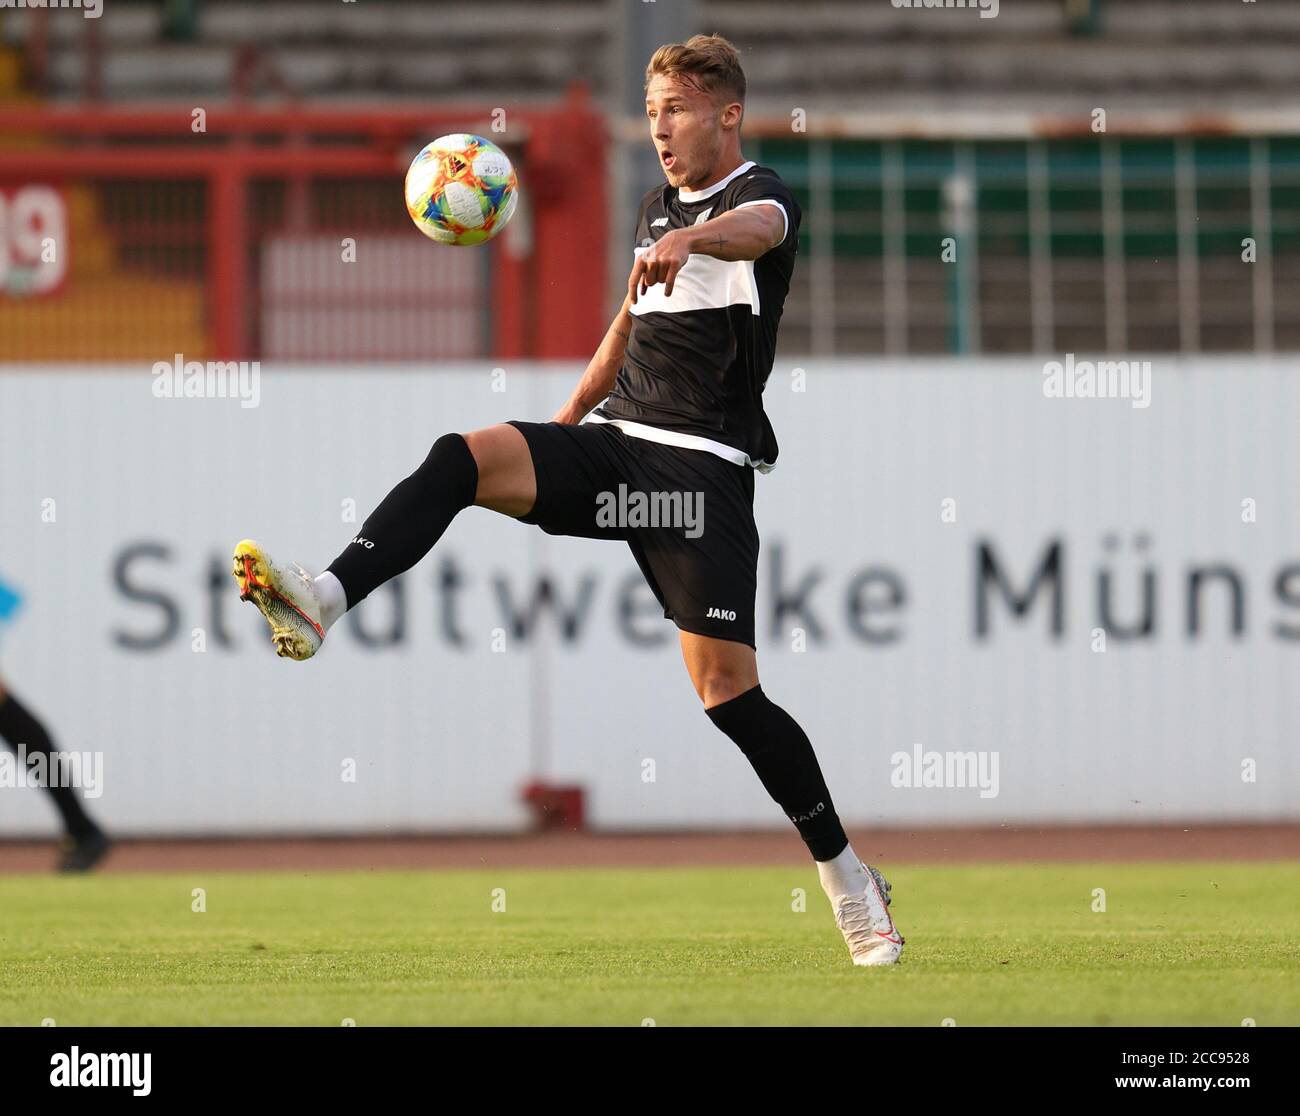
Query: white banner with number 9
{"points": [[33, 240]]}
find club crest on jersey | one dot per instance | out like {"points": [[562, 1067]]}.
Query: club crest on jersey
{"points": [[704, 216], [721, 614]]}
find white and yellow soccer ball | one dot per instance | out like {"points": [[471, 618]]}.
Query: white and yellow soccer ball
{"points": [[461, 189]]}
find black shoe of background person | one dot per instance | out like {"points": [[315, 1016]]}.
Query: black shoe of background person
{"points": [[83, 853]]}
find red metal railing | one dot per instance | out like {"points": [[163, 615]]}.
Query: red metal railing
{"points": [[545, 280]]}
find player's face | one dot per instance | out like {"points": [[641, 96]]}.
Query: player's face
{"points": [[686, 126]]}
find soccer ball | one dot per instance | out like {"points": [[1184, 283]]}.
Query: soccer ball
{"points": [[461, 189]]}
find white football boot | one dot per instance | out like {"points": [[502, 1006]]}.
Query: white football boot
{"points": [[284, 595], [864, 920]]}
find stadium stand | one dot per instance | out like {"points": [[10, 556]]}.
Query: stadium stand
{"points": [[829, 54]]}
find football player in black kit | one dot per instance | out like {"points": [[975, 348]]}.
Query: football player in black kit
{"points": [[670, 404]]}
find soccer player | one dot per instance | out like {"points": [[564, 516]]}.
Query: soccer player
{"points": [[84, 843], [670, 405]]}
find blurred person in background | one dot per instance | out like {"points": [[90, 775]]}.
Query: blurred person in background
{"points": [[84, 843]]}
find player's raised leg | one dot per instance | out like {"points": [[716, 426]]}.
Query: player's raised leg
{"points": [[725, 675], [492, 468]]}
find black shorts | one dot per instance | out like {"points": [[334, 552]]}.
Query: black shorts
{"points": [[688, 516]]}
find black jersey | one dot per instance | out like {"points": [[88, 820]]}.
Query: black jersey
{"points": [[697, 361]]}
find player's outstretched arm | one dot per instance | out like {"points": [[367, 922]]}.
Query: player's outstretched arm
{"points": [[598, 380], [738, 234]]}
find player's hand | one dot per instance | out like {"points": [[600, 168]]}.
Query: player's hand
{"points": [[570, 414], [660, 263]]}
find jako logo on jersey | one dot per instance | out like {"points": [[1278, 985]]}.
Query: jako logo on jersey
{"points": [[364, 542], [720, 614], [658, 221]]}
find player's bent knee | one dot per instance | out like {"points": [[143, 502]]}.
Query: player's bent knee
{"points": [[449, 462], [722, 686], [506, 479], [720, 669], [448, 453], [451, 443]]}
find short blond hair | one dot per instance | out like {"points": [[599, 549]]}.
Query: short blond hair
{"points": [[709, 62]]}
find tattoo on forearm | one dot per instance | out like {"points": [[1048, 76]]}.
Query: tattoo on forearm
{"points": [[719, 242], [620, 333]]}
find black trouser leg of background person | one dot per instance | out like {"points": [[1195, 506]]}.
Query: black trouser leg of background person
{"points": [[85, 843]]}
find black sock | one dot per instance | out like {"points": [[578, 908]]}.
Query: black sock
{"points": [[19, 727], [787, 767], [411, 518]]}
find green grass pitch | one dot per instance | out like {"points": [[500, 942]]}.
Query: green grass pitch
{"points": [[1185, 943]]}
